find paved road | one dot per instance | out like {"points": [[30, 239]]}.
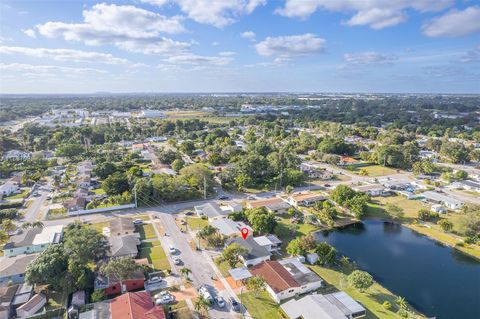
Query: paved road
{"points": [[32, 213], [202, 271]]}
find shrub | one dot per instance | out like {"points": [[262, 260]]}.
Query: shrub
{"points": [[387, 305]]}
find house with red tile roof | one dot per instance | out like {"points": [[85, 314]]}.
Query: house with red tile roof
{"points": [[135, 305], [286, 278]]}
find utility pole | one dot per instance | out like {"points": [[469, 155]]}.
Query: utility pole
{"points": [[204, 187], [135, 192]]}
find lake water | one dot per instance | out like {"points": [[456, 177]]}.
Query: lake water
{"points": [[436, 280]]}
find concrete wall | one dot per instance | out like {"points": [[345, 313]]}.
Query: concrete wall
{"points": [[100, 210]]}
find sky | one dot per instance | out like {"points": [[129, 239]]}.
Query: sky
{"points": [[385, 46]]}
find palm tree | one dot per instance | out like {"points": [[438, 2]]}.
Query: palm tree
{"points": [[8, 226], [185, 271], [256, 284], [26, 225], [401, 302], [201, 304], [37, 224], [3, 237]]}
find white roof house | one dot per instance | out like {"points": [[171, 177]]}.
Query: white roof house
{"points": [[438, 198], [8, 188], [228, 227], [270, 242], [49, 234], [338, 305], [211, 211]]}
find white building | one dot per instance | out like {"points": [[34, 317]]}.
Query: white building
{"points": [[17, 155], [447, 201], [32, 306], [269, 242], [151, 114], [8, 188]]}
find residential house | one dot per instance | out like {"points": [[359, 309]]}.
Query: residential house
{"points": [[287, 278], [13, 269], [123, 238], [135, 305], [33, 240], [151, 114], [32, 306], [336, 305], [233, 207], [84, 181], [75, 204], [274, 205], [347, 160], [373, 190], [17, 155], [437, 198], [22, 295], [255, 253], [43, 154], [228, 227], [314, 170], [270, 242], [210, 210], [7, 294], [8, 189], [111, 286], [305, 199], [470, 185], [432, 156]]}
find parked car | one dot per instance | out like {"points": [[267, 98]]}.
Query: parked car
{"points": [[224, 197], [138, 222], [235, 305], [164, 299], [177, 260], [189, 213], [172, 249], [203, 291], [251, 197], [219, 301], [161, 294], [154, 280]]}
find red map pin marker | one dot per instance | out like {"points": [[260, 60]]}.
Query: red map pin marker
{"points": [[244, 232]]}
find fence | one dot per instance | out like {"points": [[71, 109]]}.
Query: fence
{"points": [[100, 210]]}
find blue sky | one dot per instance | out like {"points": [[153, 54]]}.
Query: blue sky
{"points": [[240, 45]]}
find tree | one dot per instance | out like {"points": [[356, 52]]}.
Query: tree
{"points": [[115, 184], [360, 280], [342, 193], [426, 215], [37, 224], [120, 268], [289, 189], [105, 169], [394, 212], [70, 150], [455, 152], [178, 164], [445, 224], [3, 237], [85, 244], [401, 303], [261, 219], [8, 226], [387, 305], [50, 268], [469, 221], [256, 284], [231, 254], [97, 295], [327, 254], [185, 271], [301, 245], [201, 304]]}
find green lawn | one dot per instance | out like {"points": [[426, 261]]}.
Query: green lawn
{"points": [[196, 223], [372, 170], [146, 231], [19, 196], [99, 191], [100, 225], [371, 299], [155, 254], [261, 307], [181, 310], [410, 207], [224, 267]]}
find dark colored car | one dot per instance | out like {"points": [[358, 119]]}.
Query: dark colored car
{"points": [[224, 197], [189, 213], [235, 305]]}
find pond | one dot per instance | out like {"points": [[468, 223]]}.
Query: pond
{"points": [[436, 280]]}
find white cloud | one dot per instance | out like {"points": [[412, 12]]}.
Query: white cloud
{"points": [[127, 27], [471, 56], [193, 59], [218, 13], [227, 53], [250, 35], [31, 33], [454, 23], [292, 45], [376, 14], [46, 69], [64, 55], [215, 43], [368, 59], [447, 72]]}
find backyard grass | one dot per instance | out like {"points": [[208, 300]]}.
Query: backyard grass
{"points": [[372, 170], [100, 225], [410, 207], [261, 307], [19, 196], [371, 299], [196, 223], [146, 231], [155, 254], [99, 191], [181, 310]]}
